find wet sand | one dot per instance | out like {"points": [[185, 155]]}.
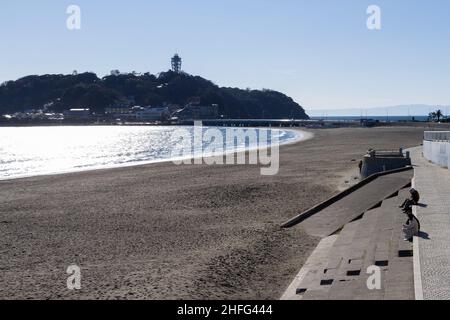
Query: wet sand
{"points": [[163, 231]]}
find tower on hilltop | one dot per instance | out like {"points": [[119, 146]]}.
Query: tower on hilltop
{"points": [[176, 63]]}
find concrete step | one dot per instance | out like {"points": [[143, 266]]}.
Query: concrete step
{"points": [[335, 216], [305, 280], [374, 239], [399, 279], [343, 290], [319, 280], [347, 282], [395, 202], [338, 251]]}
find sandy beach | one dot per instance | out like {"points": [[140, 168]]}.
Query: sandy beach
{"points": [[163, 231]]}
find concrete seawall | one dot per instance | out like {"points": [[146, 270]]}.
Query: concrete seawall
{"points": [[436, 147], [382, 161]]}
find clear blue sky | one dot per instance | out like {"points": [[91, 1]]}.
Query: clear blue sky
{"points": [[320, 52]]}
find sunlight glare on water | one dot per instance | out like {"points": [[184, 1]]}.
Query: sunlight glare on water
{"points": [[28, 151]]}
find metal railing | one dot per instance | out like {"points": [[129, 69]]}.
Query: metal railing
{"points": [[436, 136], [387, 153]]}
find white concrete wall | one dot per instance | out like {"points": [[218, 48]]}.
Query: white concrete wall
{"points": [[437, 152]]}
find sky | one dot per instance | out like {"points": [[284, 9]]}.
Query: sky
{"points": [[319, 52]]}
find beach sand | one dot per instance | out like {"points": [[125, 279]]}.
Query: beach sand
{"points": [[163, 231]]}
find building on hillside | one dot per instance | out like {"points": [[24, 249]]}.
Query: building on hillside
{"points": [[78, 114], [117, 110], [153, 114], [197, 112], [120, 113]]}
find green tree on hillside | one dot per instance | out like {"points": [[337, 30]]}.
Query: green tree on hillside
{"points": [[86, 90]]}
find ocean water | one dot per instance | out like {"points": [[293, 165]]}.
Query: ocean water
{"points": [[30, 151]]}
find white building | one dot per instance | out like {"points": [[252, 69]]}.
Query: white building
{"points": [[153, 114]]}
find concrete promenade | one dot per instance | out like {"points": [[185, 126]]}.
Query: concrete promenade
{"points": [[432, 263]]}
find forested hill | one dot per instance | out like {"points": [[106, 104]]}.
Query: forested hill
{"points": [[86, 90]]}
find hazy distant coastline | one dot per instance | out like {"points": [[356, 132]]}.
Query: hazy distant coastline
{"points": [[404, 111], [375, 118]]}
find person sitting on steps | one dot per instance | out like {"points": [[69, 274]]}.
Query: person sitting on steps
{"points": [[412, 227], [413, 200]]}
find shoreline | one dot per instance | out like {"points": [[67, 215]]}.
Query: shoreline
{"points": [[161, 231], [302, 135]]}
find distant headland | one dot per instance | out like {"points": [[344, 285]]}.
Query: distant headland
{"points": [[137, 97]]}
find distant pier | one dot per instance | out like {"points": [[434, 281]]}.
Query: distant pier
{"points": [[272, 123]]}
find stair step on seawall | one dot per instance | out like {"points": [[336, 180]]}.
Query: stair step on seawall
{"points": [[363, 292], [395, 202], [400, 278], [347, 278], [387, 227], [343, 290], [317, 281], [362, 239], [339, 250], [372, 243], [371, 240], [308, 278], [376, 254], [348, 208]]}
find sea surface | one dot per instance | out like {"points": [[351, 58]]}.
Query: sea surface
{"points": [[31, 151]]}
